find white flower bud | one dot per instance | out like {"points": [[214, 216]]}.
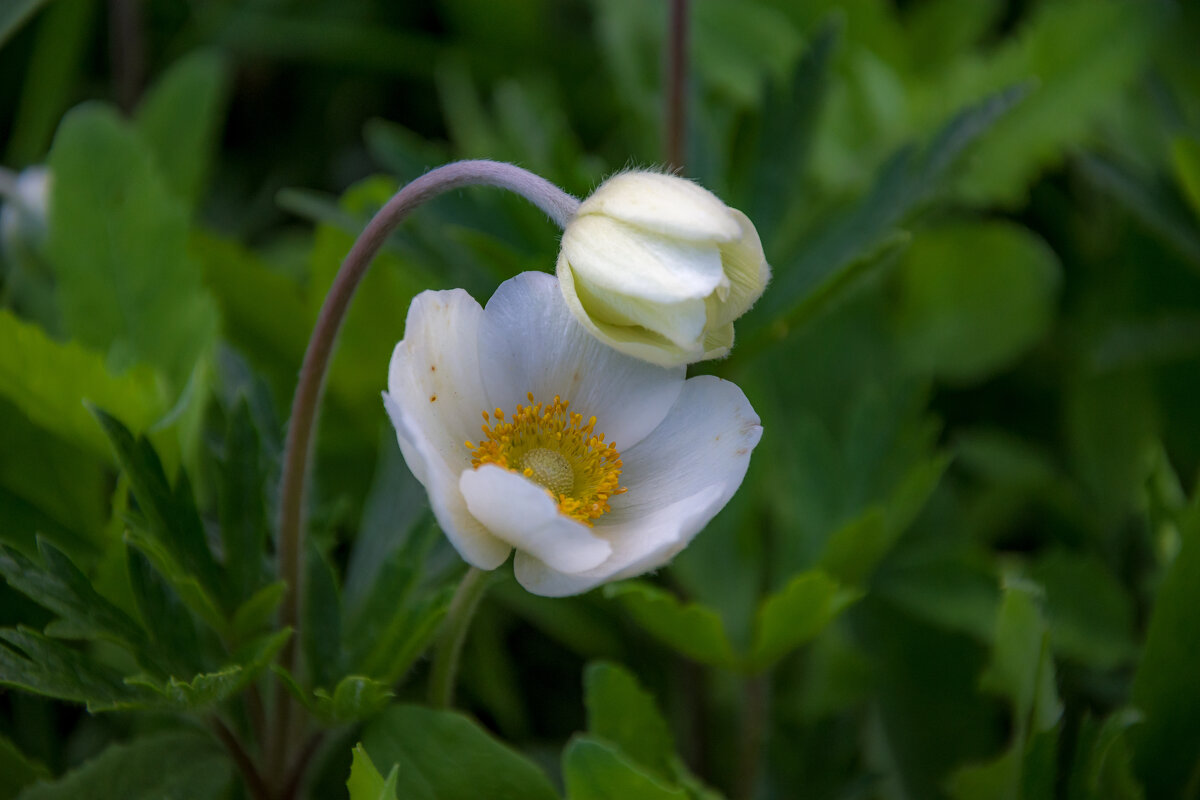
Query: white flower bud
{"points": [[659, 268]]}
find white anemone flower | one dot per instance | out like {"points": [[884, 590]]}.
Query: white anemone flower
{"points": [[591, 464]]}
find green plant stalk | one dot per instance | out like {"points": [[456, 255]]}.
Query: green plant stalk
{"points": [[297, 456], [675, 96], [444, 673]]}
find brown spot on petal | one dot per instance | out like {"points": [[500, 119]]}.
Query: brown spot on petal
{"points": [[433, 398], [432, 368]]}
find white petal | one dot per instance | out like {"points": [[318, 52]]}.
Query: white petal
{"points": [[638, 546], [530, 342], [471, 539], [678, 478], [620, 258], [663, 204], [434, 373], [522, 513]]}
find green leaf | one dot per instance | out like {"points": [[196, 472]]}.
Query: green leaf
{"points": [[354, 698], [1103, 766], [1083, 55], [796, 615], [53, 72], [171, 627], [974, 297], [446, 756], [173, 536], [594, 770], [17, 770], [174, 764], [1185, 157], [37, 664], [620, 711], [118, 242], [180, 117], [63, 589], [206, 690], [1165, 688], [14, 14], [322, 631], [1090, 614], [365, 782], [243, 506], [905, 184], [49, 380], [736, 45], [256, 614], [693, 630]]}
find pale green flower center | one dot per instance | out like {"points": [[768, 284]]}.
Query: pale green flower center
{"points": [[548, 468]]}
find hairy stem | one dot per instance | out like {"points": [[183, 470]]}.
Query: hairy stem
{"points": [[675, 124], [557, 204], [444, 672]]}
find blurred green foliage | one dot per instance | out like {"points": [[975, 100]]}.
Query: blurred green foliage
{"points": [[964, 562]]}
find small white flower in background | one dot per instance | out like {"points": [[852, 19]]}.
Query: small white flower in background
{"points": [[530, 434], [24, 212], [659, 268]]}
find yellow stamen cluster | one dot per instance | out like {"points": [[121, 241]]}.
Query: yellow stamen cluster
{"points": [[557, 449]]}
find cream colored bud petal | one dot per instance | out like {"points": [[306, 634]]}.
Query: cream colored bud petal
{"points": [[718, 343], [634, 341], [616, 257], [748, 272], [681, 323], [663, 204]]}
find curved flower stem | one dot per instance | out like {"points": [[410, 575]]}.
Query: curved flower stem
{"points": [[444, 672], [675, 146], [556, 203]]}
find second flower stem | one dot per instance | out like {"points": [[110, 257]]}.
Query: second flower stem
{"points": [[446, 655]]}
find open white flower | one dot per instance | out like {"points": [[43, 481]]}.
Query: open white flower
{"points": [[593, 465], [659, 268]]}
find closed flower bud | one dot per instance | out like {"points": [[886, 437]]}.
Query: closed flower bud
{"points": [[659, 268]]}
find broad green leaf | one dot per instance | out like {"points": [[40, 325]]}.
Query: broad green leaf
{"points": [[173, 536], [621, 712], [1165, 688], [14, 14], [45, 666], [17, 770], [60, 587], [1165, 338], [904, 185], [118, 242], [594, 770], [180, 117], [795, 615], [443, 755], [693, 630], [1090, 614], [1083, 54], [974, 297], [354, 698], [1185, 157], [365, 782], [175, 764], [49, 382], [737, 45]]}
